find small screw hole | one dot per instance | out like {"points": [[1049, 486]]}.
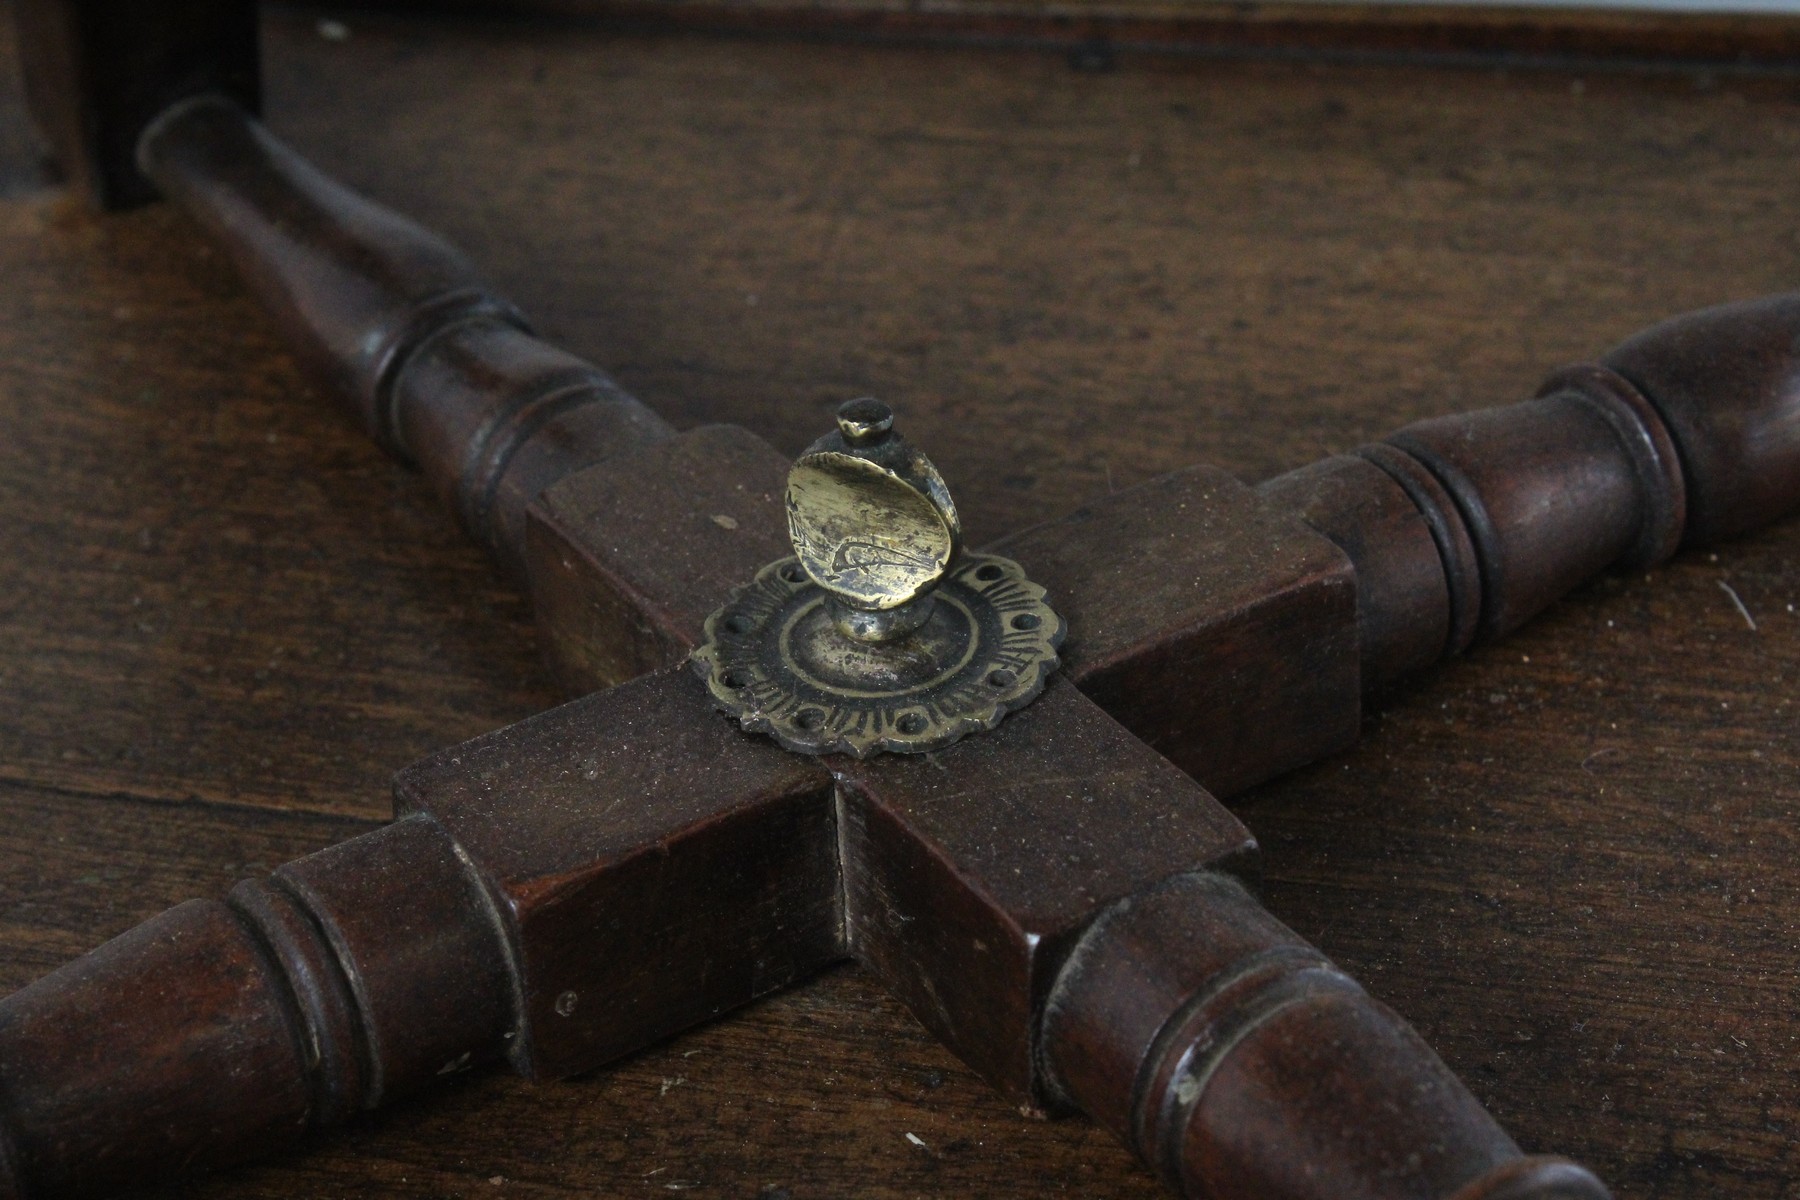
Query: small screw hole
{"points": [[810, 718], [733, 680], [793, 573], [1026, 621], [989, 573], [1000, 679], [910, 723]]}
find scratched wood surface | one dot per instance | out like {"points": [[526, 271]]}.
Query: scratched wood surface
{"points": [[1569, 858]]}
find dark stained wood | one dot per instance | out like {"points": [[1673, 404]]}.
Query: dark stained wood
{"points": [[1196, 613], [189, 999], [1522, 503], [1194, 1064], [628, 558], [442, 371], [1725, 381], [1405, 614], [1546, 494], [1218, 629], [118, 867], [567, 890], [1551, 493], [655, 867], [1427, 33], [1388, 821], [99, 71], [220, 1031], [970, 872], [973, 880]]}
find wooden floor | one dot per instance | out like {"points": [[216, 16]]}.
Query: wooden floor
{"points": [[1572, 859]]}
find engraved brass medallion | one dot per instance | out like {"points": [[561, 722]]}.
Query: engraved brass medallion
{"points": [[881, 633]]}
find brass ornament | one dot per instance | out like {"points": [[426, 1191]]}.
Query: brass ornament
{"points": [[880, 633], [871, 522]]}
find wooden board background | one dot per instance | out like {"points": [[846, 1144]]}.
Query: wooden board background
{"points": [[1439, 31], [1570, 859]]}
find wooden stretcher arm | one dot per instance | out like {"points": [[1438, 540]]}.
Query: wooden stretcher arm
{"points": [[223, 1030], [1243, 1064], [442, 370], [1463, 527]]}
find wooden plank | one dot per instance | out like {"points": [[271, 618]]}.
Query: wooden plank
{"points": [[654, 869], [1219, 630], [1067, 283], [1346, 30], [628, 558]]}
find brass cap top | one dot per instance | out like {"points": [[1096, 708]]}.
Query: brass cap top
{"points": [[864, 421]]}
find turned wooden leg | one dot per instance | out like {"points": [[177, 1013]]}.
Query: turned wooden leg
{"points": [[222, 1030], [1241, 1064]]}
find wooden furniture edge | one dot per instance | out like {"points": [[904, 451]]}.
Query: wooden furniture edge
{"points": [[1520, 34]]}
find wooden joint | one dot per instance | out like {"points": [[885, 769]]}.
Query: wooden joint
{"points": [[627, 558], [1449, 532], [428, 319], [423, 1014], [1216, 627], [493, 416], [1646, 440], [1200, 1036], [323, 1010], [512, 424], [575, 816]]}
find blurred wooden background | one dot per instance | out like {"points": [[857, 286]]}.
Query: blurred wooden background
{"points": [[1734, 36], [225, 619]]}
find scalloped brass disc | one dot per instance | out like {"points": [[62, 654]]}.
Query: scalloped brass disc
{"points": [[774, 659]]}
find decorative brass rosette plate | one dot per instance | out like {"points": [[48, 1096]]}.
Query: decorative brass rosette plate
{"points": [[774, 658]]}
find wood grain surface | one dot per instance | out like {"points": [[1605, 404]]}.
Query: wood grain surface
{"points": [[226, 619], [1457, 31]]}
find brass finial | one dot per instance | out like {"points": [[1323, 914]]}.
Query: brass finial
{"points": [[872, 524], [881, 633], [864, 421]]}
